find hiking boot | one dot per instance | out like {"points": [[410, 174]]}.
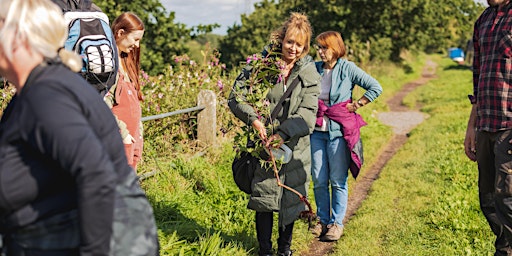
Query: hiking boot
{"points": [[334, 232], [319, 229], [286, 253]]}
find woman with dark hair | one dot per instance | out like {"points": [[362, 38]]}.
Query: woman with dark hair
{"points": [[124, 97], [335, 143]]}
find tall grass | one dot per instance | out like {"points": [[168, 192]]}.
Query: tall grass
{"points": [[198, 208]]}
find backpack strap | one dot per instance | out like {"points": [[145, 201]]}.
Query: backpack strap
{"points": [[74, 5], [85, 5], [279, 105]]}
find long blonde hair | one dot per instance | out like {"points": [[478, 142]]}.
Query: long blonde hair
{"points": [[41, 25], [298, 25]]}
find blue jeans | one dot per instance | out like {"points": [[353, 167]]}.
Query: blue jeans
{"points": [[330, 161]]}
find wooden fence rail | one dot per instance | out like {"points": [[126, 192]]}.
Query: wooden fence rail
{"points": [[206, 119]]}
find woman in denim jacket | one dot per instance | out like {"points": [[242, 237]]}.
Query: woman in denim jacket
{"points": [[335, 142]]}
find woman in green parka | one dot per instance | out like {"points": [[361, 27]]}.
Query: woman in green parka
{"points": [[294, 124]]}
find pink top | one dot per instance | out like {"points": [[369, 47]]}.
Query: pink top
{"points": [[128, 110]]}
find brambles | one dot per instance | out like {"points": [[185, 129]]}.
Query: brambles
{"points": [[264, 71]]}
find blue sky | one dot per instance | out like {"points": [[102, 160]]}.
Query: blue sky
{"points": [[223, 12]]}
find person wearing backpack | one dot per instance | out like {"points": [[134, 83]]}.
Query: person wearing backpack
{"points": [[125, 96], [90, 36], [66, 187], [68, 5]]}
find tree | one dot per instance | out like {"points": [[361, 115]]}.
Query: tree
{"points": [[389, 27], [163, 38], [423, 25], [252, 35]]}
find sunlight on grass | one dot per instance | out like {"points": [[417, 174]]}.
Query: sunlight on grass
{"points": [[425, 201]]}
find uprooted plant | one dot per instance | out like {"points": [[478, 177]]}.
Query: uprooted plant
{"points": [[265, 71]]}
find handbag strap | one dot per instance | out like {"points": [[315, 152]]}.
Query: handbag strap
{"points": [[279, 105]]}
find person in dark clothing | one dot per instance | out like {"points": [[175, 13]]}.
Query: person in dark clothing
{"points": [[488, 138], [66, 186]]}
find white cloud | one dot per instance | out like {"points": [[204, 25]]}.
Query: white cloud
{"points": [[195, 12]]}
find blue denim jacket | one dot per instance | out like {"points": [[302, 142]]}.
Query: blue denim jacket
{"points": [[345, 75]]}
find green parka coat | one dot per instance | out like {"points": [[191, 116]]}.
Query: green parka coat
{"points": [[296, 122]]}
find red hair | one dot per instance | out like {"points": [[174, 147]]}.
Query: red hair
{"points": [[130, 22], [332, 40]]}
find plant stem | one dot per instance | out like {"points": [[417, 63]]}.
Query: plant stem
{"points": [[279, 183]]}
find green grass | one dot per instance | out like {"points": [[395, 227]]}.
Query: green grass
{"points": [[375, 135], [426, 199], [199, 210], [424, 203]]}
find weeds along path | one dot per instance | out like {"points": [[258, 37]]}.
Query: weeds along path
{"points": [[403, 120]]}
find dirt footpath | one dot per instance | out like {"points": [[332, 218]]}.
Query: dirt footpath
{"points": [[403, 120]]}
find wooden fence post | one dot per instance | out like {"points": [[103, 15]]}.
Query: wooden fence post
{"points": [[207, 118]]}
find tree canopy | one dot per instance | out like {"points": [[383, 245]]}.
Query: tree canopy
{"points": [[382, 28], [389, 27]]}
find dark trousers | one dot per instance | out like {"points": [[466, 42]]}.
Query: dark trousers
{"points": [[14, 249], [494, 157], [264, 223], [57, 235]]}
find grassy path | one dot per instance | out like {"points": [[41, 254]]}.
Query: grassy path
{"points": [[425, 201], [407, 121]]}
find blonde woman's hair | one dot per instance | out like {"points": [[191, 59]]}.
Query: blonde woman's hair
{"points": [[38, 23], [298, 25]]}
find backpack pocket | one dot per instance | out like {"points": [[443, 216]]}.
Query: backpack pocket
{"points": [[97, 55]]}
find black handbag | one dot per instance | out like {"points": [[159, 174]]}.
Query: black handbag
{"points": [[245, 165], [243, 171]]}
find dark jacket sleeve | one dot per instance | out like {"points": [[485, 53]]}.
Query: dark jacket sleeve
{"points": [[57, 124], [236, 100]]}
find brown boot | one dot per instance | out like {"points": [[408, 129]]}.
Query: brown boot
{"points": [[319, 229], [334, 232]]}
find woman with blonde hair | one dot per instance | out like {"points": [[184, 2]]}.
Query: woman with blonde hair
{"points": [[293, 125], [66, 186]]}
